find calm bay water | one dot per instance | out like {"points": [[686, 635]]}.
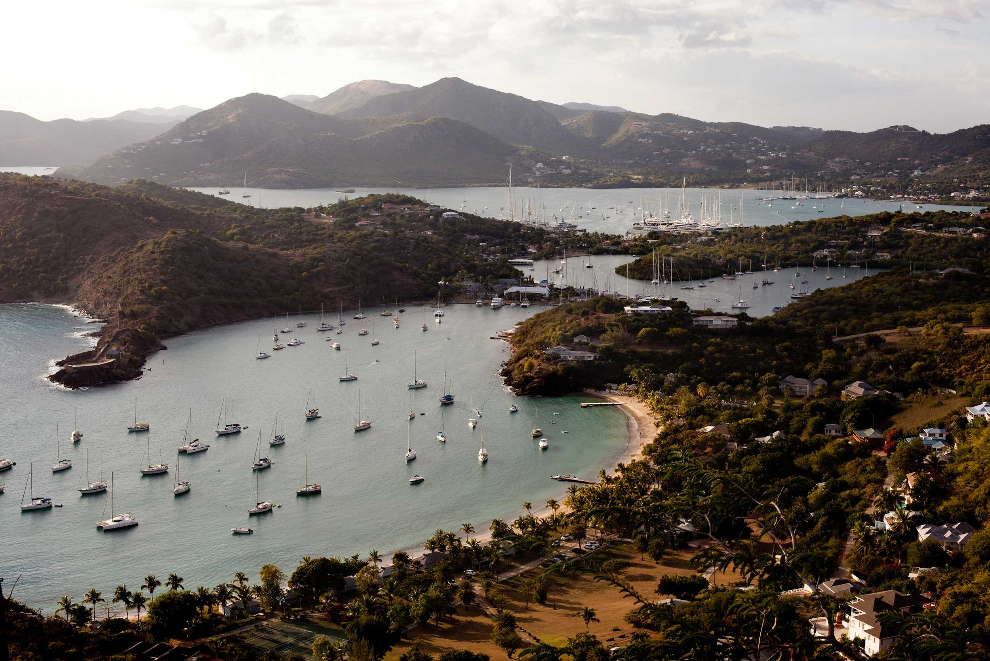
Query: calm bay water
{"points": [[603, 210], [366, 503]]}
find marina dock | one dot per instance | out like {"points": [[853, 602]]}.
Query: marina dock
{"points": [[571, 478], [586, 405]]}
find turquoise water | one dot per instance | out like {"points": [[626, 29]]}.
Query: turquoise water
{"points": [[366, 503]]}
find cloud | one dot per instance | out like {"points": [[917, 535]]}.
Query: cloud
{"points": [[216, 32]]}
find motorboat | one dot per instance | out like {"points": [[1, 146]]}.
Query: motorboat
{"points": [[513, 409], [416, 479], [278, 347], [295, 342], [537, 432], [76, 435], [312, 414], [544, 444], [472, 423], [363, 332], [336, 346], [496, 303], [6, 464], [242, 531], [480, 303]]}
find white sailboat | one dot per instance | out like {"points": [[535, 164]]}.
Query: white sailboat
{"points": [[537, 431], [287, 329], [34, 504], [374, 340], [741, 304], [483, 453], [828, 270], [193, 446], [60, 464], [361, 424], [360, 314], [410, 453], [347, 376], [260, 463], [260, 355], [323, 326], [244, 192], [260, 506], [178, 486], [312, 413], [154, 469], [441, 435], [92, 487], [277, 438], [115, 522], [309, 489], [228, 427], [417, 383], [76, 434], [138, 426]]}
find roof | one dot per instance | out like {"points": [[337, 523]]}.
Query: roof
{"points": [[868, 433], [539, 291], [870, 605], [979, 409], [839, 586], [833, 427], [792, 380], [955, 533], [860, 387]]}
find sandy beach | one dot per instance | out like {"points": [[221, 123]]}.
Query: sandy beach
{"points": [[640, 424]]}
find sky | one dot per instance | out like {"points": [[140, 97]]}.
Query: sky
{"points": [[836, 64]]}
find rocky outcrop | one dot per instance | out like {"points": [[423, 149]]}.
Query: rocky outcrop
{"points": [[118, 356]]}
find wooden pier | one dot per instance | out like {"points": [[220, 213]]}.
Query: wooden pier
{"points": [[586, 405], [571, 478]]}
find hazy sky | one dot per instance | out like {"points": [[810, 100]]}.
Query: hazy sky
{"points": [[855, 64]]}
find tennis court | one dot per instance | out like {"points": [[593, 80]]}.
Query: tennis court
{"points": [[294, 637]]}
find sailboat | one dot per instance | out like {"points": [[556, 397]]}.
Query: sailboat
{"points": [[424, 327], [472, 422], [260, 463], [374, 340], [92, 487], [360, 314], [261, 354], [228, 427], [323, 325], [115, 522], [309, 489], [361, 424], [278, 346], [483, 453], [33, 504], [154, 469], [537, 431], [193, 446], [286, 329], [447, 398], [410, 453], [828, 270], [244, 192], [417, 383], [276, 439], [178, 486], [76, 434], [312, 413], [346, 376], [441, 436], [741, 305], [138, 426], [260, 506], [60, 464]]}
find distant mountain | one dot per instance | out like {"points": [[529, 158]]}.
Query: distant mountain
{"points": [[355, 95], [508, 117], [301, 100], [157, 115], [25, 140], [573, 105], [280, 145]]}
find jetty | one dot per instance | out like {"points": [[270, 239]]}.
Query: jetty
{"points": [[586, 405], [571, 478]]}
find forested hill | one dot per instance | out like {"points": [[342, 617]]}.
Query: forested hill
{"points": [[171, 261]]}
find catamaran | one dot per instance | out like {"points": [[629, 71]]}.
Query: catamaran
{"points": [[138, 426], [361, 424], [417, 383], [178, 486], [347, 376], [60, 464], [115, 522], [309, 489], [410, 453], [34, 504], [92, 487], [154, 469], [261, 506], [260, 463], [76, 434], [228, 427], [741, 304]]}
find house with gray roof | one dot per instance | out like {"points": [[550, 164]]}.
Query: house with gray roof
{"points": [[864, 622], [952, 536], [799, 386]]}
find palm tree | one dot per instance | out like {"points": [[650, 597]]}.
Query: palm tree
{"points": [[65, 605], [93, 597], [528, 506], [122, 595], [138, 600], [553, 505], [241, 588], [374, 557], [588, 615], [467, 529], [222, 594], [174, 582], [205, 598], [151, 584]]}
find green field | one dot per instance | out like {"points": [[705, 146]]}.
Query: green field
{"points": [[289, 637]]}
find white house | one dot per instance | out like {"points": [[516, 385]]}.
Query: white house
{"points": [[858, 389], [833, 429], [450, 215], [978, 411], [566, 353], [716, 321], [933, 433], [800, 387], [864, 623], [647, 309]]}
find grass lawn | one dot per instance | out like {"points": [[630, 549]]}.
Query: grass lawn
{"points": [[558, 620], [916, 413]]}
